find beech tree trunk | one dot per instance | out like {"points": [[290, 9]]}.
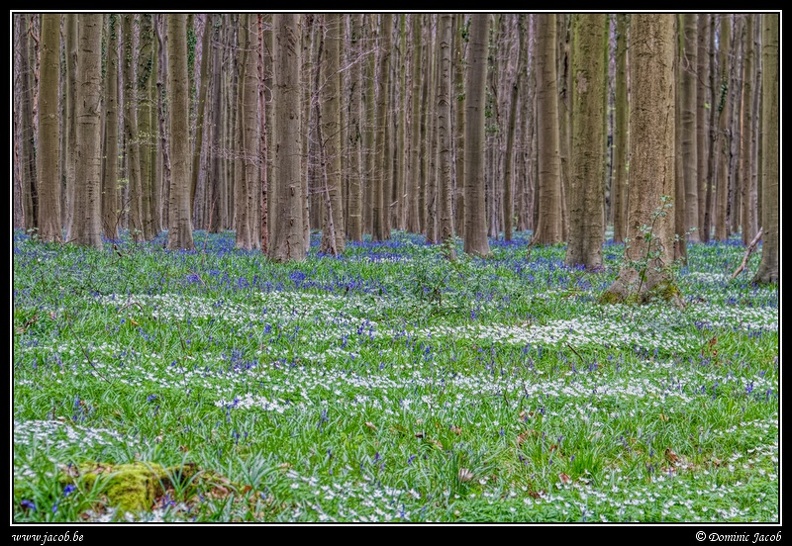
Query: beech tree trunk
{"points": [[645, 274], [476, 242]]}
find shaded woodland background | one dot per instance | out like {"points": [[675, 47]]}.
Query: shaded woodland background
{"points": [[474, 125]]}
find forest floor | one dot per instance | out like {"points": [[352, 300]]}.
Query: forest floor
{"points": [[387, 385]]}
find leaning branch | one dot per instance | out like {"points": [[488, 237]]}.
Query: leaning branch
{"points": [[748, 251]]}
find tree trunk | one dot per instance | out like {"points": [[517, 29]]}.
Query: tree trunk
{"points": [[145, 119], [48, 157], [329, 124], [735, 96], [645, 273], [724, 137], [180, 226], [704, 98], [416, 150], [508, 179], [445, 141], [768, 272], [476, 242], [689, 120], [680, 239], [132, 142], [287, 240], [70, 122], [354, 222], [459, 119], [586, 192], [213, 185], [621, 113], [88, 155], [548, 228], [111, 215], [749, 218], [29, 177], [381, 177], [162, 112], [200, 126], [714, 133]]}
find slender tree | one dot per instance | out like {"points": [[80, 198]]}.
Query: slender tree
{"points": [[749, 219], [459, 118], [621, 113], [145, 125], [689, 118], [381, 189], [110, 197], [724, 137], [29, 178], [768, 272], [70, 119], [215, 171], [131, 137], [444, 131], [330, 137], [354, 223], [180, 226], [476, 242], [645, 273], [416, 150], [509, 165], [48, 157]]}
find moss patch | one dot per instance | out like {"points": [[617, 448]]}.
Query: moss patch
{"points": [[132, 487]]}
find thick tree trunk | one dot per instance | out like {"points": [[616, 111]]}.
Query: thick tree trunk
{"points": [[180, 226], [287, 241], [48, 157], [476, 242], [586, 221], [768, 272], [645, 273], [548, 228], [88, 161]]}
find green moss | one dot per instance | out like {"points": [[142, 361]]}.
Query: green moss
{"points": [[132, 487]]}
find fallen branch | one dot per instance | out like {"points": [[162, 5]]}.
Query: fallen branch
{"points": [[748, 251]]}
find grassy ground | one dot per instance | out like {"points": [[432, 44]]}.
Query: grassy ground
{"points": [[387, 385]]}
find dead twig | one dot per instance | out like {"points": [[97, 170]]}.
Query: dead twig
{"points": [[748, 251]]}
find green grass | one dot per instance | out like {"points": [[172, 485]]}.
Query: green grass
{"points": [[389, 385]]}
